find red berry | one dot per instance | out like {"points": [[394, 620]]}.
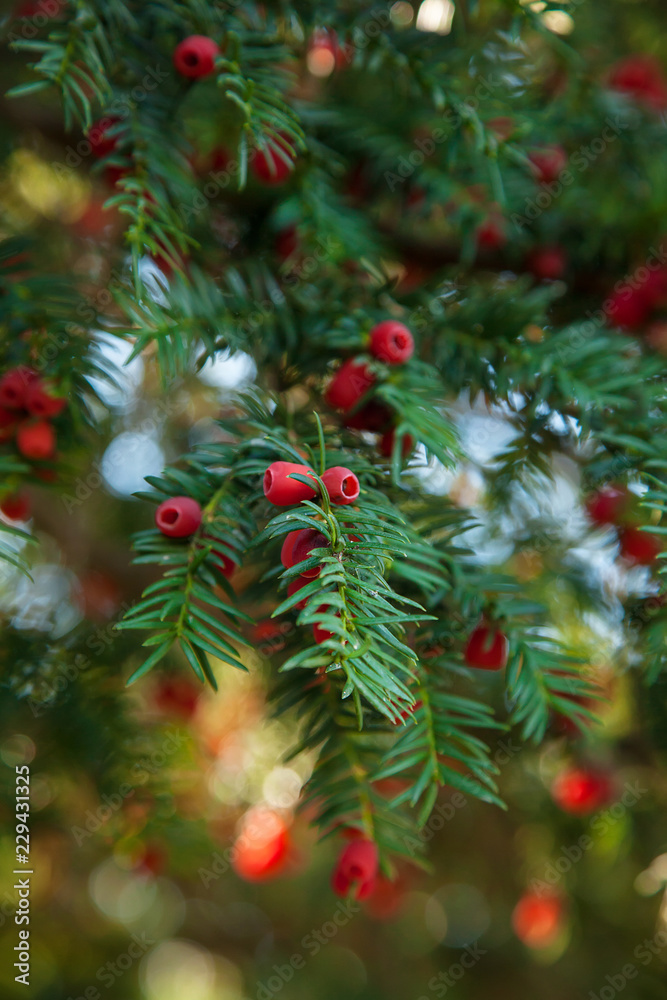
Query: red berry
{"points": [[537, 919], [641, 78], [639, 547], [14, 387], [36, 440], [357, 869], [286, 552], [487, 649], [548, 163], [386, 444], [195, 56], [349, 384], [287, 242], [226, 565], [177, 696], [178, 517], [262, 847], [322, 634], [16, 507], [308, 540], [280, 489], [295, 585], [342, 484], [41, 402], [547, 263], [372, 416], [581, 792], [392, 342], [269, 166], [627, 308], [491, 233], [606, 506], [103, 144]]}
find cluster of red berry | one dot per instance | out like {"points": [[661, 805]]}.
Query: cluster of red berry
{"points": [[282, 489], [392, 343], [614, 506], [28, 405]]}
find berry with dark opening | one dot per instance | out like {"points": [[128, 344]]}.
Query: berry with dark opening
{"points": [[36, 440], [195, 56], [487, 649], [14, 387], [350, 383], [391, 342], [281, 489], [178, 517], [42, 401], [342, 485], [356, 869]]}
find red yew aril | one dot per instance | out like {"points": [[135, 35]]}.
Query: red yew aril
{"points": [[607, 505], [548, 162], [283, 490], [537, 919], [178, 517], [487, 649], [342, 485], [350, 383], [16, 507], [42, 401], [308, 540], [262, 848], [356, 869], [36, 440], [580, 791], [639, 547]]}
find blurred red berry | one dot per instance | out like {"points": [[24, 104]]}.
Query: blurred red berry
{"points": [[579, 791], [487, 649]]}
